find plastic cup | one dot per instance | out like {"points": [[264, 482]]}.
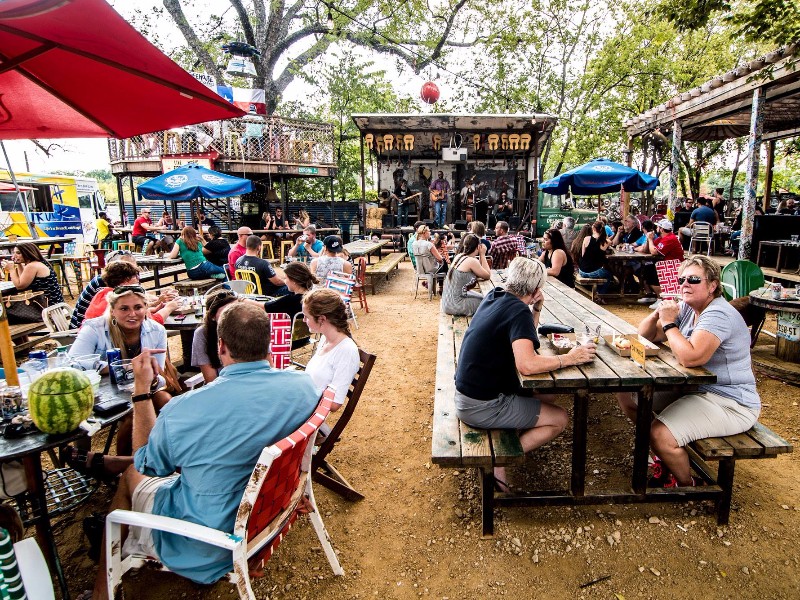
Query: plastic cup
{"points": [[87, 362], [594, 330], [123, 373]]}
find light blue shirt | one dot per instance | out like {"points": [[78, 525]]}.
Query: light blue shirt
{"points": [[316, 247], [94, 338], [216, 434], [411, 239]]}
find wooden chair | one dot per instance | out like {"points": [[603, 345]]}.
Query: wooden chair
{"points": [[278, 491], [250, 276], [280, 340], [322, 472]]}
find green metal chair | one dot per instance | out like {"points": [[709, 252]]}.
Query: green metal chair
{"points": [[739, 278]]}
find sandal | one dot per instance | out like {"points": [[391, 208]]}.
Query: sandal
{"points": [[78, 459], [502, 486]]}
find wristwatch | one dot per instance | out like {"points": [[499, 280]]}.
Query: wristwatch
{"points": [[669, 326], [142, 397]]}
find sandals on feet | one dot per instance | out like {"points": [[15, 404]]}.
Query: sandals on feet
{"points": [[502, 487], [78, 459]]}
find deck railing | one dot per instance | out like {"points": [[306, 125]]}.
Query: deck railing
{"points": [[250, 138]]}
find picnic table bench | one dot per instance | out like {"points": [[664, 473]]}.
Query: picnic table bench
{"points": [[383, 268], [174, 271], [456, 445], [26, 335]]}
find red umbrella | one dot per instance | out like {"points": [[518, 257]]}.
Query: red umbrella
{"points": [[76, 68]]}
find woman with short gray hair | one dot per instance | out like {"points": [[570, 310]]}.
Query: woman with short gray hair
{"points": [[500, 341]]}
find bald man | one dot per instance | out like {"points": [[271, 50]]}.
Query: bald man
{"points": [[239, 248]]}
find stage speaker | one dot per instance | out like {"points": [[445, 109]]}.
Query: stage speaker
{"points": [[389, 221], [429, 222], [460, 225], [513, 223]]}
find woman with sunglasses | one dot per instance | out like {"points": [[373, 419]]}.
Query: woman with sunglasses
{"points": [[122, 273], [30, 271], [190, 249], [703, 330]]}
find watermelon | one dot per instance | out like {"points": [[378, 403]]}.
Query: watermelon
{"points": [[60, 399]]}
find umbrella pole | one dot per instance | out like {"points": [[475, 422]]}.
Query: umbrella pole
{"points": [[20, 197]]}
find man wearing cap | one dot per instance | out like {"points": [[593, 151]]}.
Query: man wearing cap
{"points": [[666, 247], [142, 228], [330, 259], [307, 245], [238, 249], [271, 284]]}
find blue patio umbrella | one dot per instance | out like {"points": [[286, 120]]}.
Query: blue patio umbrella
{"points": [[193, 181], [599, 176]]}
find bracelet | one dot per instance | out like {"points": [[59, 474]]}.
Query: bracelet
{"points": [[560, 364], [142, 397]]}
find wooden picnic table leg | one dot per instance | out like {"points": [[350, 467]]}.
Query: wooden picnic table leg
{"points": [[187, 337], [487, 500], [580, 420], [44, 532], [641, 448], [725, 481], [156, 281]]}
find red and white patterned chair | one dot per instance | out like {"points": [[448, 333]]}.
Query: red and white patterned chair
{"points": [[278, 491], [667, 271], [344, 283], [280, 339]]}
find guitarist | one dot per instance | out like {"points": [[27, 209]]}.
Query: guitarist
{"points": [[440, 189], [402, 196]]}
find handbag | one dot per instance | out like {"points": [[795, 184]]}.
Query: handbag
{"points": [[25, 308]]}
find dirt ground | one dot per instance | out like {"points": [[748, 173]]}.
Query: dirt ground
{"points": [[417, 532]]}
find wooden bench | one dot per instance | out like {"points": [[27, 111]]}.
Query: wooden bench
{"points": [[383, 267], [186, 287], [27, 335], [588, 286], [455, 444], [757, 443]]}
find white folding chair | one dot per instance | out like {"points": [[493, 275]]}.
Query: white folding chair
{"points": [[702, 233]]}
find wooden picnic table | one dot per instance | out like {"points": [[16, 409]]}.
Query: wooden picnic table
{"points": [[608, 373], [617, 261], [365, 248], [156, 264], [51, 242]]}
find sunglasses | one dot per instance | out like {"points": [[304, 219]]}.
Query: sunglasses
{"points": [[122, 289], [691, 279]]}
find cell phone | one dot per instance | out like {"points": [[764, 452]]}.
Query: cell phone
{"points": [[109, 407]]}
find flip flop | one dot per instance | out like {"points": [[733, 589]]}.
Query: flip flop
{"points": [[499, 484]]}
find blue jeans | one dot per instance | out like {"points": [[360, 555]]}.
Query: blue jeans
{"points": [[206, 270], [601, 273], [440, 212]]}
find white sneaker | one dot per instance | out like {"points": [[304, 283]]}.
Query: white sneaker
{"points": [[646, 299], [655, 305]]}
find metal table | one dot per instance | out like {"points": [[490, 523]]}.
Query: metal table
{"points": [[67, 489]]}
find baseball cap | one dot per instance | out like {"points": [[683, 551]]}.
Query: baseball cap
{"points": [[333, 243], [665, 224]]}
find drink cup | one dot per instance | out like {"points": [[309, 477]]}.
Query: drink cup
{"points": [[87, 362], [594, 330], [583, 339], [777, 289], [123, 374]]}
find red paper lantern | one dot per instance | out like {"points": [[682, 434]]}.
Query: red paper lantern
{"points": [[429, 92]]}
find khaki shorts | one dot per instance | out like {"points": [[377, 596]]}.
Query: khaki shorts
{"points": [[140, 539], [701, 415]]}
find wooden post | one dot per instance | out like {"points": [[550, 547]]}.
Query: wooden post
{"points": [[625, 198], [675, 167], [362, 229], [7, 349], [768, 174], [753, 156]]}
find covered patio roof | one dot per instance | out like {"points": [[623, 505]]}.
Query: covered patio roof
{"points": [[425, 126], [721, 108]]}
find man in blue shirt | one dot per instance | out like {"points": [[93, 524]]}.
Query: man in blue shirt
{"points": [[306, 245], [215, 434], [703, 213]]}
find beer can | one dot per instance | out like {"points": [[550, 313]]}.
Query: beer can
{"points": [[112, 354], [777, 288]]}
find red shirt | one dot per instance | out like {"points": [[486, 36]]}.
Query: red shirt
{"points": [[137, 226], [669, 246], [236, 252]]}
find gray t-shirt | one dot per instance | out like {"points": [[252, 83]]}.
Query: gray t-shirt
{"points": [[199, 352], [731, 360]]}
